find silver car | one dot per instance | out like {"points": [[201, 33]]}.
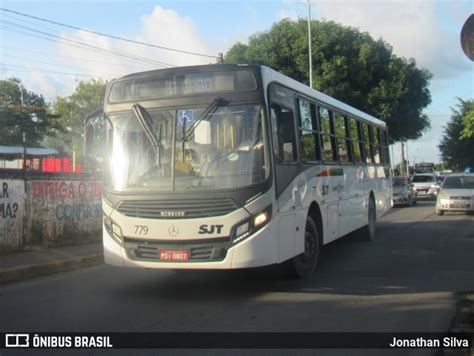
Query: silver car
{"points": [[456, 194], [426, 185], [404, 193]]}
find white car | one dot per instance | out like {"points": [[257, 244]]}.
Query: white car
{"points": [[404, 193], [426, 185], [456, 194]]}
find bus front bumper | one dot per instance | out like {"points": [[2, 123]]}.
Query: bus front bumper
{"points": [[260, 249]]}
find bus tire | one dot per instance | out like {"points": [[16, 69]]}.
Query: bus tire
{"points": [[303, 265], [369, 229]]}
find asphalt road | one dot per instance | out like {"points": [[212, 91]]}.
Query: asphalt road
{"points": [[408, 280]]}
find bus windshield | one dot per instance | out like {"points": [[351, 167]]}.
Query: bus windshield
{"points": [[218, 150]]}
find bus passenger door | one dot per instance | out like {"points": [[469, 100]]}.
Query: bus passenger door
{"points": [[286, 171]]}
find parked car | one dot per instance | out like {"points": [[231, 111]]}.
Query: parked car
{"points": [[456, 193], [404, 192], [426, 185]]}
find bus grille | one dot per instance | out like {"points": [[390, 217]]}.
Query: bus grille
{"points": [[199, 251], [177, 208]]}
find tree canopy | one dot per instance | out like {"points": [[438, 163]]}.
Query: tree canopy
{"points": [[468, 122], [348, 65], [88, 97], [455, 151], [29, 117]]}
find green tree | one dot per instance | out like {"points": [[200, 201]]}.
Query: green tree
{"points": [[455, 151], [468, 122], [348, 65], [88, 97], [28, 116]]}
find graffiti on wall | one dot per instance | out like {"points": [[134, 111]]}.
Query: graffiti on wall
{"points": [[78, 211], [67, 190], [12, 212], [8, 209], [73, 200], [34, 212]]}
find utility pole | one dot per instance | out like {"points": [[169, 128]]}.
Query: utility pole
{"points": [[393, 156], [21, 95], [24, 151], [309, 46], [402, 164], [408, 160], [24, 134]]}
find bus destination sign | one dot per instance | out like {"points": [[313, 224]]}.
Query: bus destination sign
{"points": [[185, 84]]}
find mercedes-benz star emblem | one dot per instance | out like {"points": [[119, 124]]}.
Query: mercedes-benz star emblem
{"points": [[173, 230]]}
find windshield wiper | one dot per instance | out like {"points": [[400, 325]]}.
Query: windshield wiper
{"points": [[145, 121], [205, 115], [146, 124]]}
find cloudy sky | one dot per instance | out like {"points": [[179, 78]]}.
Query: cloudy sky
{"points": [[51, 59]]}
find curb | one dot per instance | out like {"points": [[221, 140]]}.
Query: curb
{"points": [[31, 271], [463, 322]]}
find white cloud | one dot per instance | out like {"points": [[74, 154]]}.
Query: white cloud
{"points": [[168, 29], [288, 13], [93, 62], [162, 27], [41, 83], [412, 27]]}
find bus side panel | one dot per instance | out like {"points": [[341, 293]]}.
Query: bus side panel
{"points": [[384, 196]]}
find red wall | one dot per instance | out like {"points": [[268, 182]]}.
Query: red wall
{"points": [[59, 165]]}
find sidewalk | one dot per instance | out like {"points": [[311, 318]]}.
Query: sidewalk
{"points": [[17, 266]]}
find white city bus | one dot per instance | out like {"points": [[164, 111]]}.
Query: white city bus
{"points": [[233, 166]]}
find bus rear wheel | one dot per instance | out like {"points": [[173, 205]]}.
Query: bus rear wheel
{"points": [[303, 265]]}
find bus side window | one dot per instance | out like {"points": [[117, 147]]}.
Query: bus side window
{"points": [[284, 129], [340, 128], [376, 144], [327, 134], [357, 145], [384, 146], [95, 141], [309, 135], [367, 143]]}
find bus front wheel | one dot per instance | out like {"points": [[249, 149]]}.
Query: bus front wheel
{"points": [[303, 265]]}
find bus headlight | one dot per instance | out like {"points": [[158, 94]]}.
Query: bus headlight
{"points": [[260, 219], [113, 229], [248, 227]]}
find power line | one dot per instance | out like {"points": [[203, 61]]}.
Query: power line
{"points": [[110, 36], [66, 40], [39, 61], [67, 35], [8, 25], [43, 54], [44, 70]]}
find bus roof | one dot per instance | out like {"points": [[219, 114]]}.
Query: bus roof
{"points": [[269, 75]]}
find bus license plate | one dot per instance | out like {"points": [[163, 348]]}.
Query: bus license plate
{"points": [[174, 255]]}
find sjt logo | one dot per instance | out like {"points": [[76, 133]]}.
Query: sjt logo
{"points": [[210, 229]]}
